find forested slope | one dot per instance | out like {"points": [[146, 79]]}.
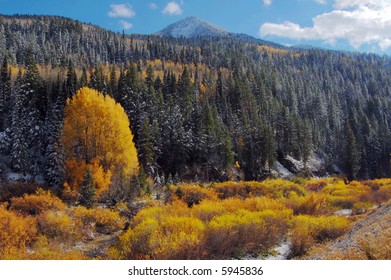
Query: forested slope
{"points": [[200, 109]]}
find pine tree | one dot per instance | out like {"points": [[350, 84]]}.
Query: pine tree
{"points": [[54, 154], [19, 142], [71, 81], [5, 94], [351, 153], [87, 193], [145, 147]]}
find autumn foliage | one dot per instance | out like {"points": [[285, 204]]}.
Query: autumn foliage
{"points": [[232, 219], [213, 221], [96, 135]]}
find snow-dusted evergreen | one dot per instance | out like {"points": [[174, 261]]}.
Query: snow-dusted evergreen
{"points": [[201, 108]]}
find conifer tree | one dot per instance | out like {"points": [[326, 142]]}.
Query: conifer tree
{"points": [[88, 190], [5, 94]]}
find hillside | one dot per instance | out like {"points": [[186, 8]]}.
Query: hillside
{"points": [[206, 108], [368, 239]]}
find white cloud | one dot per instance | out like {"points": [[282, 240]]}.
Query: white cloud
{"points": [[125, 24], [121, 11], [358, 21], [153, 6], [322, 2], [267, 2], [172, 8]]}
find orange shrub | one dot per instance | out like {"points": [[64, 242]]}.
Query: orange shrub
{"points": [[317, 185], [37, 203], [42, 249], [54, 224], [16, 232], [381, 190]]}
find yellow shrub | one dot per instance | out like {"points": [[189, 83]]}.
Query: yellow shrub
{"points": [[103, 220], [315, 204], [271, 188], [345, 196], [176, 208], [178, 238], [233, 204], [206, 210], [278, 188], [192, 194], [16, 232], [263, 203], [243, 231], [172, 238], [277, 225], [37, 203], [234, 233], [308, 230]]}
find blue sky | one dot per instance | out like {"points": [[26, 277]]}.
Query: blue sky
{"points": [[356, 25]]}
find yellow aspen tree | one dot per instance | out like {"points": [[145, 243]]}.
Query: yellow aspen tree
{"points": [[97, 135]]}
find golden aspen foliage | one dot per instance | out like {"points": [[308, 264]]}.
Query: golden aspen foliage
{"points": [[96, 135]]}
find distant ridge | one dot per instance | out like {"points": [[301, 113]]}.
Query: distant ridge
{"points": [[193, 27]]}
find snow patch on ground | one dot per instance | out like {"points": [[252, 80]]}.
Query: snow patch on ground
{"points": [[16, 177], [19, 177], [343, 212], [282, 252]]}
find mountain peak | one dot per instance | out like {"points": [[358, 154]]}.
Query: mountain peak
{"points": [[191, 27]]}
